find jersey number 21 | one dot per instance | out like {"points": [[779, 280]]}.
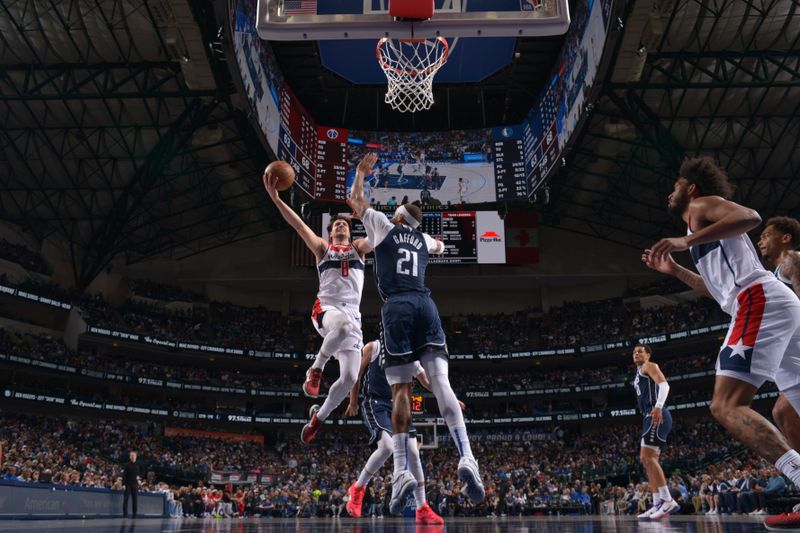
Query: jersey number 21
{"points": [[403, 263]]}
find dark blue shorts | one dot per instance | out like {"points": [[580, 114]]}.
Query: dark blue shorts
{"points": [[656, 435], [377, 416], [410, 326]]}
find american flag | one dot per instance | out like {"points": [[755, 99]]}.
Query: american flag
{"points": [[300, 7]]}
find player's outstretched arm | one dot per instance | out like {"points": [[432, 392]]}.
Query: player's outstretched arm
{"points": [[652, 370], [667, 265], [312, 240], [715, 219], [357, 201]]}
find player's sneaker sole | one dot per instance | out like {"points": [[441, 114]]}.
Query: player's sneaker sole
{"points": [[473, 486], [309, 431], [309, 389], [402, 488]]}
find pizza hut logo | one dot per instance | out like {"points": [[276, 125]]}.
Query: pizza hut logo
{"points": [[491, 236]]}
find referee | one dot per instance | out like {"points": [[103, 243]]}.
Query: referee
{"points": [[130, 478]]}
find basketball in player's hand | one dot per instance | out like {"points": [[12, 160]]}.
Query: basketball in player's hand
{"points": [[284, 172]]}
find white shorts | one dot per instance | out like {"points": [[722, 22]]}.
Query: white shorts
{"points": [[763, 340], [323, 317]]}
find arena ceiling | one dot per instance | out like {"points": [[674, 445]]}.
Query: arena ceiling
{"points": [[715, 77], [120, 131], [124, 137]]}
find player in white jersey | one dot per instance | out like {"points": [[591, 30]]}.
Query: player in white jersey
{"points": [[336, 316], [763, 341], [778, 245]]}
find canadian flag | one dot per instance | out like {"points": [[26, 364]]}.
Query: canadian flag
{"points": [[522, 238]]}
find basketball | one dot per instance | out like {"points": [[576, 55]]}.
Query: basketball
{"points": [[284, 172]]}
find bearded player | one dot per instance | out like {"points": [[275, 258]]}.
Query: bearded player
{"points": [[778, 245], [335, 315], [763, 340], [411, 331]]}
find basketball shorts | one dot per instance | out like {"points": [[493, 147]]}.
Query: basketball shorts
{"points": [[324, 316], [763, 340], [377, 416], [410, 326], [655, 436]]}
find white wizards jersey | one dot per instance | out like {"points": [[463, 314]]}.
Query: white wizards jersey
{"points": [[729, 266], [341, 276]]}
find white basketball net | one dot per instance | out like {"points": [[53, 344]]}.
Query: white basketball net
{"points": [[410, 65]]}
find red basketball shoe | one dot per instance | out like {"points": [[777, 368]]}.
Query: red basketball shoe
{"points": [[356, 494]]}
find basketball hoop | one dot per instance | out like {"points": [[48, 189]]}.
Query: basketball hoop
{"points": [[410, 65]]}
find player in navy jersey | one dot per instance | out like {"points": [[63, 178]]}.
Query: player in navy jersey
{"points": [[763, 340], [376, 410], [778, 245], [411, 331], [651, 390], [335, 314]]}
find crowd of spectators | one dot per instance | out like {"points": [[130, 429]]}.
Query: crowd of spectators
{"points": [[51, 350], [570, 325], [524, 471], [25, 257], [164, 291]]}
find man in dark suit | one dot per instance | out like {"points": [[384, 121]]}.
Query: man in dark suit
{"points": [[130, 478]]}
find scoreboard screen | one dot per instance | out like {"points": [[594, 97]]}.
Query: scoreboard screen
{"points": [[508, 149], [318, 154], [417, 404], [468, 236]]}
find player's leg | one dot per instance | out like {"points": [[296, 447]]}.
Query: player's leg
{"points": [[403, 481], [646, 457], [787, 420], [374, 464], [349, 362], [425, 515]]}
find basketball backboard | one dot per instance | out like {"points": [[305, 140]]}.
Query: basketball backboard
{"points": [[298, 20]]}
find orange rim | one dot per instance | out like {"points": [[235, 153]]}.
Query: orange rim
{"points": [[437, 65]]}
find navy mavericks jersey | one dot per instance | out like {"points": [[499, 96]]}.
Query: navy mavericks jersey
{"points": [[783, 279], [374, 385], [646, 392], [400, 261]]}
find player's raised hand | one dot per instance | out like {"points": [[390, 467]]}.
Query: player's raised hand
{"points": [[270, 184], [664, 264], [462, 406], [367, 164]]}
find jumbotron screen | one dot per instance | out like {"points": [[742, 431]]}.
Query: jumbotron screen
{"points": [[456, 167], [468, 236]]}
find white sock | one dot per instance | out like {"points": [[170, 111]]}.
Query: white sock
{"points": [[789, 465], [320, 361], [656, 499], [459, 434], [400, 445], [415, 467], [419, 496], [664, 493]]}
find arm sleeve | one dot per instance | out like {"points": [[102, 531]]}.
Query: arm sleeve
{"points": [[663, 391], [377, 226], [434, 246]]}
